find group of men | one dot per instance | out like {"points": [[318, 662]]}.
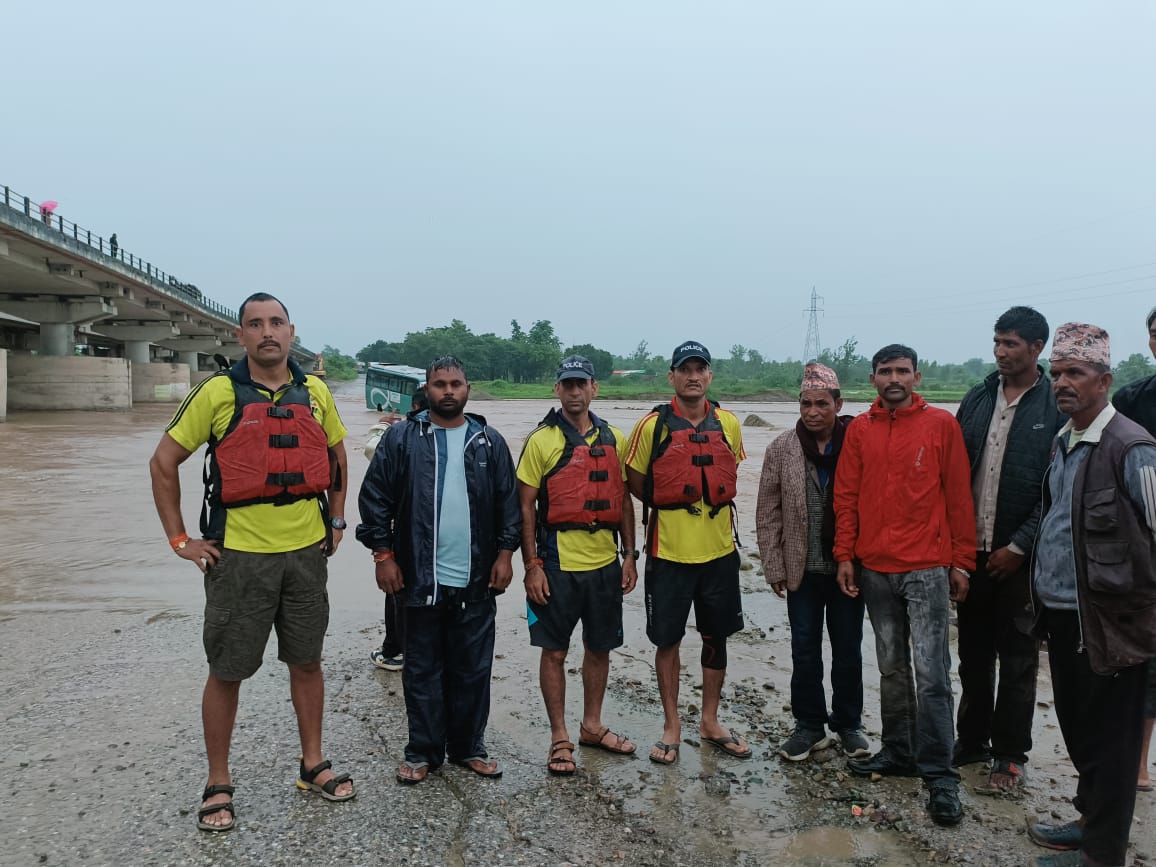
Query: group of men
{"points": [[1033, 510]]}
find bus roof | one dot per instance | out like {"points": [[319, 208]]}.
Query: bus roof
{"points": [[404, 370]]}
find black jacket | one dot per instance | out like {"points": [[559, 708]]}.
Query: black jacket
{"points": [[1026, 455], [399, 503], [1137, 401]]}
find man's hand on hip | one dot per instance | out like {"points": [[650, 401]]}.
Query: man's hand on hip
{"points": [[203, 552]]}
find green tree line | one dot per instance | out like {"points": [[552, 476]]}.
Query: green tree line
{"points": [[532, 356]]}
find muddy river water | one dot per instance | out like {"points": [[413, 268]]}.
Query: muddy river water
{"points": [[103, 667]]}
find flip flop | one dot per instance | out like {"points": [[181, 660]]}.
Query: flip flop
{"points": [[555, 759], [480, 765], [1141, 787], [621, 746], [326, 790], [725, 743], [418, 771], [227, 807], [667, 749]]}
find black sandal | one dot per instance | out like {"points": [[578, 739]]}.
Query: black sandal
{"points": [[216, 808], [305, 783]]}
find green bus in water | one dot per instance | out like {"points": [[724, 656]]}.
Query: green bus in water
{"points": [[390, 387]]}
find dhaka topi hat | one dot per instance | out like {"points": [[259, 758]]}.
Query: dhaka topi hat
{"points": [[1079, 341], [819, 377]]}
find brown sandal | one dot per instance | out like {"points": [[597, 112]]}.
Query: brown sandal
{"points": [[568, 767], [620, 745]]}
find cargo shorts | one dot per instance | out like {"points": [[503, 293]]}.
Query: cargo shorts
{"points": [[246, 594]]}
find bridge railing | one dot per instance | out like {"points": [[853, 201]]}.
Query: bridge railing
{"points": [[109, 249]]}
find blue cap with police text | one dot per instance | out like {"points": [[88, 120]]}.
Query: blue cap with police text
{"points": [[575, 367], [687, 351]]}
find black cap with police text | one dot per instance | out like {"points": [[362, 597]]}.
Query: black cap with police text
{"points": [[687, 351], [575, 367]]}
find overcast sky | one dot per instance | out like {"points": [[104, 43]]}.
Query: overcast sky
{"points": [[650, 169]]}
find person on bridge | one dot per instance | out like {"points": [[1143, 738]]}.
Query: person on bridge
{"points": [[266, 536], [439, 511], [575, 506], [682, 463]]}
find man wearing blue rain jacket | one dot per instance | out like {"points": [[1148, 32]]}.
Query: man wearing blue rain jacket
{"points": [[439, 509]]}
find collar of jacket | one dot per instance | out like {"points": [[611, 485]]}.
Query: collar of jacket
{"points": [[918, 405]]}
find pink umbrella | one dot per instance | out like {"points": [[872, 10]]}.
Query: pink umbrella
{"points": [[48, 207]]}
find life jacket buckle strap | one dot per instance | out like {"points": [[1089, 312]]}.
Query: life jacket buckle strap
{"points": [[280, 411], [283, 441]]}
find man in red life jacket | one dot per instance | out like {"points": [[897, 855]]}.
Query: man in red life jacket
{"points": [[575, 506], [276, 459], [682, 462]]}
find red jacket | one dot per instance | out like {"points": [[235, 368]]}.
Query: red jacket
{"points": [[903, 491]]}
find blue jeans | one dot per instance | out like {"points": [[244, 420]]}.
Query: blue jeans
{"points": [[909, 612], [818, 595]]}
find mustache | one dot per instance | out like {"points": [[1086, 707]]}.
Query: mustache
{"points": [[1063, 392]]}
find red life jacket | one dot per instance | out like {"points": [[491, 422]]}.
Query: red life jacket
{"points": [[690, 464], [584, 490], [271, 452]]}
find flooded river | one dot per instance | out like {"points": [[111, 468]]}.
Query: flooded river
{"points": [[103, 668]]}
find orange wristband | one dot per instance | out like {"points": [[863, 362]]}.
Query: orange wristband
{"points": [[382, 556], [532, 562], [179, 542]]}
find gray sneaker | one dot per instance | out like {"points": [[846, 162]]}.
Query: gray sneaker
{"points": [[803, 742], [855, 744]]}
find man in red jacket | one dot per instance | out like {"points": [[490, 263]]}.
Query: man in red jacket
{"points": [[903, 509]]}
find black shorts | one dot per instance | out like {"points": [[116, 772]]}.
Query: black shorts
{"points": [[712, 587], [594, 597]]}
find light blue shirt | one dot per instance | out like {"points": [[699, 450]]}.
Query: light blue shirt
{"points": [[452, 555]]}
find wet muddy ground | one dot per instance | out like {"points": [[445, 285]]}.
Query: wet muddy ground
{"points": [[103, 668]]}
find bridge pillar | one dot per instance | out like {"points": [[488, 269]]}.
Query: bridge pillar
{"points": [[192, 359], [3, 384], [137, 351], [57, 338]]}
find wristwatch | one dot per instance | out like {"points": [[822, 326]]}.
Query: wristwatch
{"points": [[337, 523], [633, 552], [961, 571]]}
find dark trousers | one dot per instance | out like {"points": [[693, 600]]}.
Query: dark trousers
{"points": [[993, 624], [393, 644], [1102, 719], [819, 595], [449, 653], [909, 616]]}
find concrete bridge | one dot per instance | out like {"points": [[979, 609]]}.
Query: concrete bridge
{"points": [[85, 324]]}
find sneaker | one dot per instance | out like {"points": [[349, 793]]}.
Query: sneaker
{"points": [[803, 742], [882, 763], [389, 663], [943, 805], [1066, 837], [855, 744]]}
